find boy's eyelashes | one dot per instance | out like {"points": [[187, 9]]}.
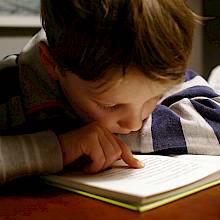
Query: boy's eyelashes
{"points": [[108, 107], [114, 107]]}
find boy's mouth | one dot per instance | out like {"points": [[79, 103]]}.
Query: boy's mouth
{"points": [[122, 132]]}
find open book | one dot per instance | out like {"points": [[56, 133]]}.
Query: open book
{"points": [[162, 180]]}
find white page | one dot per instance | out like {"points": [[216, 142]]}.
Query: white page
{"points": [[212, 160], [160, 174]]}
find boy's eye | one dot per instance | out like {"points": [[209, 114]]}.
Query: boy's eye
{"points": [[108, 107]]}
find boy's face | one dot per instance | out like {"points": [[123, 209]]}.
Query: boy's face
{"points": [[120, 104]]}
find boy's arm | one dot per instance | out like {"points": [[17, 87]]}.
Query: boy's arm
{"points": [[29, 154], [186, 121]]}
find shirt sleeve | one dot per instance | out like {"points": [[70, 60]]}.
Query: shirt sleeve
{"points": [[187, 120], [29, 154]]}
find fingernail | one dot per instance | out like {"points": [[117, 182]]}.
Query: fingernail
{"points": [[140, 164]]}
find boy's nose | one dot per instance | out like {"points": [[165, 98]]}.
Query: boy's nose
{"points": [[131, 123]]}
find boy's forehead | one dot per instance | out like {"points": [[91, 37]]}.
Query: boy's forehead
{"points": [[127, 87], [111, 79], [103, 86]]}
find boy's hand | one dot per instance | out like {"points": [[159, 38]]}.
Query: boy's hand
{"points": [[100, 145]]}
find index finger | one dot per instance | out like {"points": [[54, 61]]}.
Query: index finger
{"points": [[127, 156]]}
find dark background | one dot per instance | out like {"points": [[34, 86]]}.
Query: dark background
{"points": [[211, 36]]}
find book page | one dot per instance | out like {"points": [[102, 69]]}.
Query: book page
{"points": [[160, 174], [211, 160]]}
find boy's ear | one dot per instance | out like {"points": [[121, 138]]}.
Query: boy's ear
{"points": [[47, 61]]}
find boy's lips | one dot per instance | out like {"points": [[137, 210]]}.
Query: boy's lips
{"points": [[123, 132]]}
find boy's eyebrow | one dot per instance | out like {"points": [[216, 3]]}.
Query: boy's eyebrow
{"points": [[102, 87], [99, 89]]}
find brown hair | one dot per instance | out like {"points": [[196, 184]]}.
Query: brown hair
{"points": [[88, 37]]}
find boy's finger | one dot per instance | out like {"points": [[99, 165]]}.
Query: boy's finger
{"points": [[128, 157]]}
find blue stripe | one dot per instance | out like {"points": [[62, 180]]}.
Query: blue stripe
{"points": [[210, 112], [189, 93], [189, 74], [167, 133]]}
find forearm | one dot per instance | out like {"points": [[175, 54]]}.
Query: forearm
{"points": [[182, 128], [29, 154]]}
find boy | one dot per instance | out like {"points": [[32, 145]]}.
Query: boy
{"points": [[108, 76]]}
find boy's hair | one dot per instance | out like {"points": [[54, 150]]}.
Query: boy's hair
{"points": [[88, 37]]}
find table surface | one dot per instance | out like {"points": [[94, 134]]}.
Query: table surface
{"points": [[30, 199]]}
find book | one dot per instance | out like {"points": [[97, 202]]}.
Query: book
{"points": [[162, 180]]}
